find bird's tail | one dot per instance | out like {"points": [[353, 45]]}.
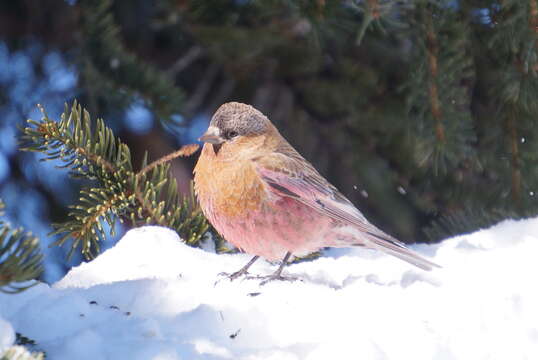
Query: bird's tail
{"points": [[395, 248]]}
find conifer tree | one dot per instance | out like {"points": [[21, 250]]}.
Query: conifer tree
{"points": [[422, 112], [118, 193], [20, 258]]}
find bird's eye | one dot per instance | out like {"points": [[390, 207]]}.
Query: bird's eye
{"points": [[230, 134]]}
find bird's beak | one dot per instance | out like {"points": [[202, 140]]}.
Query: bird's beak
{"points": [[212, 136]]}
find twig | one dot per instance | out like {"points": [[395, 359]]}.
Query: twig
{"points": [[185, 150], [192, 54], [432, 53]]}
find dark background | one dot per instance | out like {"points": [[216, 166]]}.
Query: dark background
{"points": [[423, 113]]}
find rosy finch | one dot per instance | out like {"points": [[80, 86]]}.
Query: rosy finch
{"points": [[261, 195]]}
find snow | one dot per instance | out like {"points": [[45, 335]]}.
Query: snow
{"points": [[7, 335], [152, 297]]}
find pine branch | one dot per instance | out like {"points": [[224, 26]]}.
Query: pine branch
{"points": [[20, 258], [515, 157], [381, 13], [149, 196], [96, 155], [24, 349], [515, 43], [466, 220], [438, 99], [110, 58], [20, 353]]}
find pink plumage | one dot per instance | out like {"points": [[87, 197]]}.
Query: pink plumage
{"points": [[266, 199]]}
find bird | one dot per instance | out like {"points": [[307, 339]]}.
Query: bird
{"points": [[262, 196]]}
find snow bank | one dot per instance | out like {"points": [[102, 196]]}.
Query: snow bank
{"points": [[152, 297], [7, 335]]}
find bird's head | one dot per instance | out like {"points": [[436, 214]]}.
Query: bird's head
{"points": [[237, 126]]}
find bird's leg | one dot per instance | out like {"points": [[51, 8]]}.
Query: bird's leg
{"points": [[277, 275], [278, 272], [242, 271]]}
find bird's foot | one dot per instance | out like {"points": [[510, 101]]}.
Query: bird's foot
{"points": [[234, 275], [225, 275], [240, 272], [268, 278]]}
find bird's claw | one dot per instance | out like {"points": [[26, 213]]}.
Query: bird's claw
{"points": [[268, 278], [265, 278], [233, 275]]}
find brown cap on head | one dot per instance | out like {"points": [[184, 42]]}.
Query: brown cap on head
{"points": [[235, 119]]}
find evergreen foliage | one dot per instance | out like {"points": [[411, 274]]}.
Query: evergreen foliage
{"points": [[108, 65], [91, 151], [21, 350], [19, 353], [20, 258], [497, 178], [439, 91], [422, 112]]}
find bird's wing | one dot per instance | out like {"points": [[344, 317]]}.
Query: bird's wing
{"points": [[289, 174], [294, 177]]}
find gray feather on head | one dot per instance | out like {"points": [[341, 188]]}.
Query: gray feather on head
{"points": [[244, 119]]}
